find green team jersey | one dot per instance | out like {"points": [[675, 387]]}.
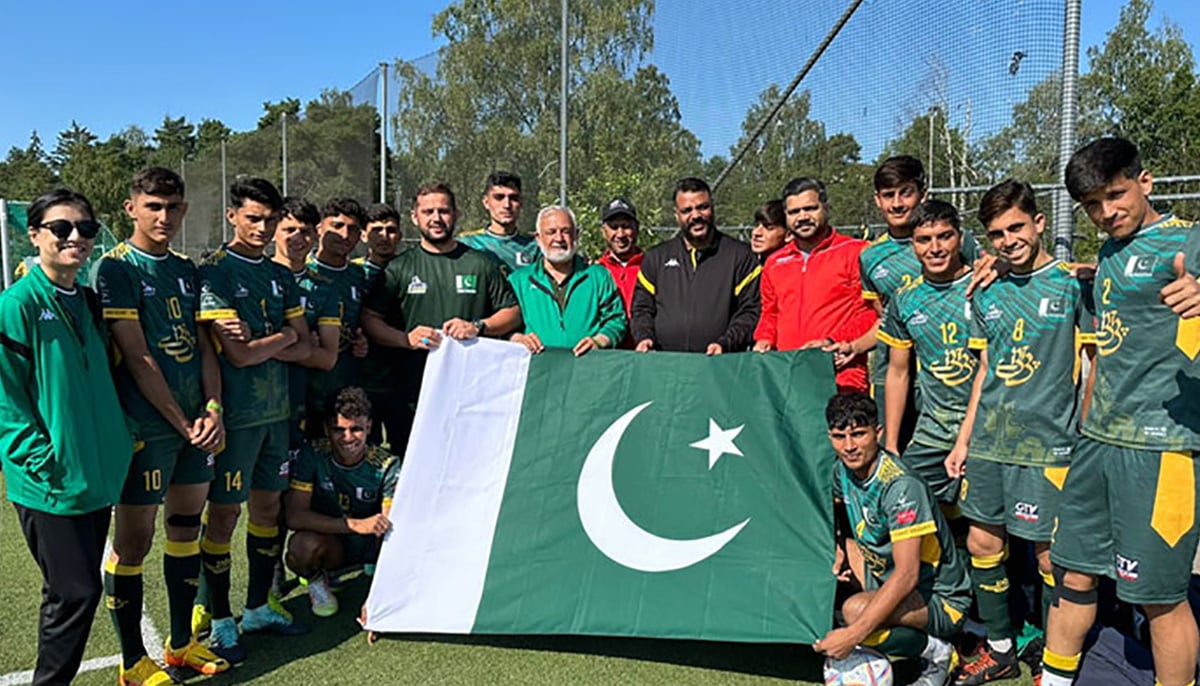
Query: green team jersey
{"points": [[514, 251], [420, 288], [1145, 395], [373, 369], [339, 491], [349, 285], [263, 294], [889, 264], [370, 270], [321, 307], [160, 293], [934, 320], [1032, 326], [895, 505]]}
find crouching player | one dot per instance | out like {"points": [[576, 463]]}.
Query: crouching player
{"points": [[916, 585], [339, 499]]}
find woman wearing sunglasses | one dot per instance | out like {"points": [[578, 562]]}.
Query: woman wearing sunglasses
{"points": [[62, 446]]}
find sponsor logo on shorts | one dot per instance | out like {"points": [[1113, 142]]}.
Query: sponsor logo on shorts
{"points": [[1026, 512], [284, 468], [210, 460], [906, 516], [1127, 569]]}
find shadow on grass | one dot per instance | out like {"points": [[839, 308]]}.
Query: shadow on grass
{"points": [[786, 661], [268, 652]]}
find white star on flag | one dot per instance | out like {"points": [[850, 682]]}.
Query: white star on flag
{"points": [[719, 442]]}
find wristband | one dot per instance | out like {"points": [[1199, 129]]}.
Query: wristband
{"points": [[214, 406]]}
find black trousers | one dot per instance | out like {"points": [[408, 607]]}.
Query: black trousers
{"points": [[68, 549]]}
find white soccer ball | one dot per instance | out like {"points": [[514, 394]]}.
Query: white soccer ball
{"points": [[862, 667]]}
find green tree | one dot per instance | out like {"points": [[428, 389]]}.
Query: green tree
{"points": [[272, 111], [26, 173], [176, 141], [493, 104], [794, 144], [76, 140]]}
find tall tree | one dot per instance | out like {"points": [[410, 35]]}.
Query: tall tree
{"points": [[26, 173], [272, 111], [176, 139], [71, 142]]}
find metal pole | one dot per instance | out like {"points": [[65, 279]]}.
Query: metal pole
{"points": [[1064, 216], [183, 229], [224, 197], [383, 127], [4, 243], [562, 110], [787, 93], [283, 133]]}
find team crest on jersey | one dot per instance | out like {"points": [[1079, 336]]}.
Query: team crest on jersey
{"points": [[1140, 265], [354, 294], [866, 513], [147, 290], [523, 259], [417, 286], [1052, 308], [361, 493], [241, 292], [466, 284], [276, 291], [326, 485], [993, 313], [186, 288], [918, 318], [1127, 568]]}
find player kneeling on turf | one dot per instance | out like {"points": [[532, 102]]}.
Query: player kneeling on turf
{"points": [[916, 587], [339, 498]]}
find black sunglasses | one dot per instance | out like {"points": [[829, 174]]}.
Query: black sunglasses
{"points": [[61, 228]]}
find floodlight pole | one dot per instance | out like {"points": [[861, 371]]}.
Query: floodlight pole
{"points": [[383, 127], [1064, 215], [283, 133], [562, 110], [4, 243]]}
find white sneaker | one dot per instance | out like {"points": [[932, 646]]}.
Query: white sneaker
{"points": [[324, 602]]}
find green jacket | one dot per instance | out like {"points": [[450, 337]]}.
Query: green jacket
{"points": [[591, 305], [64, 443]]}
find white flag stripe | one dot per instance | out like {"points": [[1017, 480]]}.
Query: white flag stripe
{"points": [[427, 579]]}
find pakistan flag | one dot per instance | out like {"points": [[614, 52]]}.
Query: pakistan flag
{"points": [[662, 494]]}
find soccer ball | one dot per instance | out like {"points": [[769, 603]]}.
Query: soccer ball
{"points": [[862, 667]]}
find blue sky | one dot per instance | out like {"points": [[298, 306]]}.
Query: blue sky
{"points": [[108, 68]]}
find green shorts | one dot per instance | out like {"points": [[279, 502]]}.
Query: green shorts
{"points": [[1131, 515], [162, 462], [255, 457], [358, 549], [930, 464], [946, 615], [1023, 499]]}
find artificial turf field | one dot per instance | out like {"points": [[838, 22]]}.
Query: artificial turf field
{"points": [[336, 652]]}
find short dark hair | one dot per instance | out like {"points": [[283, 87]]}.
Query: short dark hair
{"points": [[435, 188], [770, 213], [899, 170], [690, 184], [1004, 196], [845, 410], [932, 211], [59, 196], [158, 181], [345, 206], [256, 189], [1098, 163], [300, 209], [803, 184], [382, 212], [504, 179], [350, 401]]}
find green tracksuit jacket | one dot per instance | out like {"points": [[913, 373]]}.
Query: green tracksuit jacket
{"points": [[64, 443], [590, 304]]}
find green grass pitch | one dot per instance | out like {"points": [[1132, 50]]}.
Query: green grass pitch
{"points": [[336, 652]]}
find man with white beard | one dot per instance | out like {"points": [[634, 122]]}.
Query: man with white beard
{"points": [[565, 302]]}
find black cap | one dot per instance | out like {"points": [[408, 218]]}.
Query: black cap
{"points": [[616, 207]]}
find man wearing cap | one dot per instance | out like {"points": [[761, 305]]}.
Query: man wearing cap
{"points": [[565, 302], [697, 292], [623, 258]]}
